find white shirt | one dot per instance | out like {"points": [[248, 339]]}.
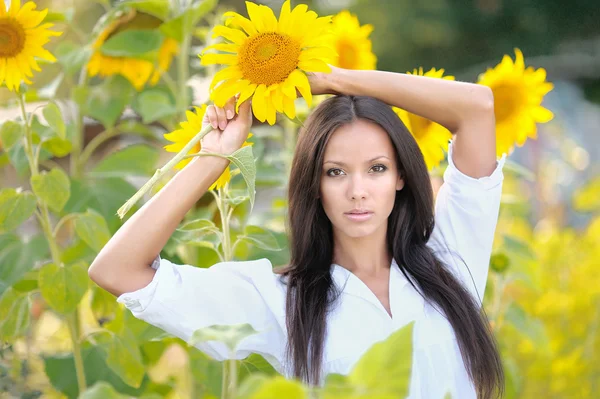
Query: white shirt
{"points": [[182, 298]]}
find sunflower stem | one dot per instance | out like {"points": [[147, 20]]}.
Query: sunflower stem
{"points": [[160, 172]]}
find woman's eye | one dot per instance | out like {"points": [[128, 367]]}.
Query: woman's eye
{"points": [[382, 168], [330, 172]]}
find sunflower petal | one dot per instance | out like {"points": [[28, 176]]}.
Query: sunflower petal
{"points": [[269, 19], [289, 107], [271, 112], [231, 72], [243, 22], [225, 91], [300, 81], [225, 59], [542, 115], [255, 15], [259, 106], [284, 16], [234, 35], [226, 47], [244, 95], [314, 65]]}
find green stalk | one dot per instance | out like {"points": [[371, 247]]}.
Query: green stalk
{"points": [[160, 172], [46, 224]]}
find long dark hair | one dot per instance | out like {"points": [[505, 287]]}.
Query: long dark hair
{"points": [[311, 291]]}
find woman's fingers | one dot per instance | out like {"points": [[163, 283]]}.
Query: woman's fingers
{"points": [[222, 118], [230, 108], [211, 115], [218, 117]]}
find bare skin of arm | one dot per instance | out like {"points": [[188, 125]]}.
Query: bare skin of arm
{"points": [[123, 264], [465, 109]]}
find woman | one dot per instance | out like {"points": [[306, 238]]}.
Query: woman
{"points": [[367, 256]]}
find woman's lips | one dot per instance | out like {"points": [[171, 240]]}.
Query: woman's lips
{"points": [[359, 217]]}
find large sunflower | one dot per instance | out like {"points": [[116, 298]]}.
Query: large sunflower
{"points": [[352, 42], [21, 40], [267, 58], [518, 94], [431, 137], [185, 133], [138, 71]]}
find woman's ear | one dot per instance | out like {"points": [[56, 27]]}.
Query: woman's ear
{"points": [[399, 184]]}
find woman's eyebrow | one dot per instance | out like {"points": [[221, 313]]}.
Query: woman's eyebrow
{"points": [[369, 161]]}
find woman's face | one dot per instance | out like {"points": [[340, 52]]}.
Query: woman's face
{"points": [[359, 172]]}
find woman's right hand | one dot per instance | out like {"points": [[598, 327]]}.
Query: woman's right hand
{"points": [[229, 130]]}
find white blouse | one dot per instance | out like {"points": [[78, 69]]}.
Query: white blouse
{"points": [[182, 298]]}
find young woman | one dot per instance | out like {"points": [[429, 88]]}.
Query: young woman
{"points": [[367, 254]]}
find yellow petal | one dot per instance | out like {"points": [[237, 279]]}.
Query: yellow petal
{"points": [[226, 47], [269, 20], [277, 99], [314, 65], [270, 110], [231, 72], [244, 95], [242, 21], [289, 107], [300, 81], [542, 115], [255, 15], [259, 106], [226, 59], [225, 91], [284, 16], [234, 35]]}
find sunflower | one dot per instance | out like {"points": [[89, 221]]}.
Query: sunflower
{"points": [[138, 71], [431, 137], [267, 58], [21, 40], [352, 42], [518, 94], [185, 133]]}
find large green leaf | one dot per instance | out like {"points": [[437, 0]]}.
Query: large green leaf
{"points": [[14, 314], [102, 390], [125, 359], [105, 102], [244, 160], [255, 363], [231, 335], [386, 366], [10, 133], [154, 103], [60, 370], [103, 195], [15, 207], [260, 237], [158, 8], [53, 188], [132, 43], [63, 287], [183, 25], [71, 56], [17, 257], [137, 159], [54, 118], [91, 228]]}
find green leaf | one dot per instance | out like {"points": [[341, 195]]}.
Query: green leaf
{"points": [[136, 159], [158, 8], [21, 256], [254, 364], [102, 390], [105, 102], [53, 188], [231, 335], [71, 56], [132, 43], [250, 385], [63, 287], [91, 228], [15, 208], [60, 370], [154, 103], [244, 160], [527, 325], [54, 118], [14, 315], [260, 237], [386, 366], [199, 226], [58, 147], [10, 133], [103, 195], [125, 359], [278, 387], [103, 304], [183, 25]]}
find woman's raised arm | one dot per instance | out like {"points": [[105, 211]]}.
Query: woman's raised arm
{"points": [[465, 109], [123, 265]]}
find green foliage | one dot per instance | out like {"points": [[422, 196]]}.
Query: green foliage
{"points": [[63, 287]]}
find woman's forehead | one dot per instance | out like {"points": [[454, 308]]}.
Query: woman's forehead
{"points": [[359, 140]]}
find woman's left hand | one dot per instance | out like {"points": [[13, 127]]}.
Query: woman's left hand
{"points": [[321, 82]]}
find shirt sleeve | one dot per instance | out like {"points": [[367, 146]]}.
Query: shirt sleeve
{"points": [[181, 299], [466, 215]]}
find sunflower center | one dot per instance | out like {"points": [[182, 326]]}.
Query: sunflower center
{"points": [[12, 38], [268, 58], [506, 101], [348, 56]]}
